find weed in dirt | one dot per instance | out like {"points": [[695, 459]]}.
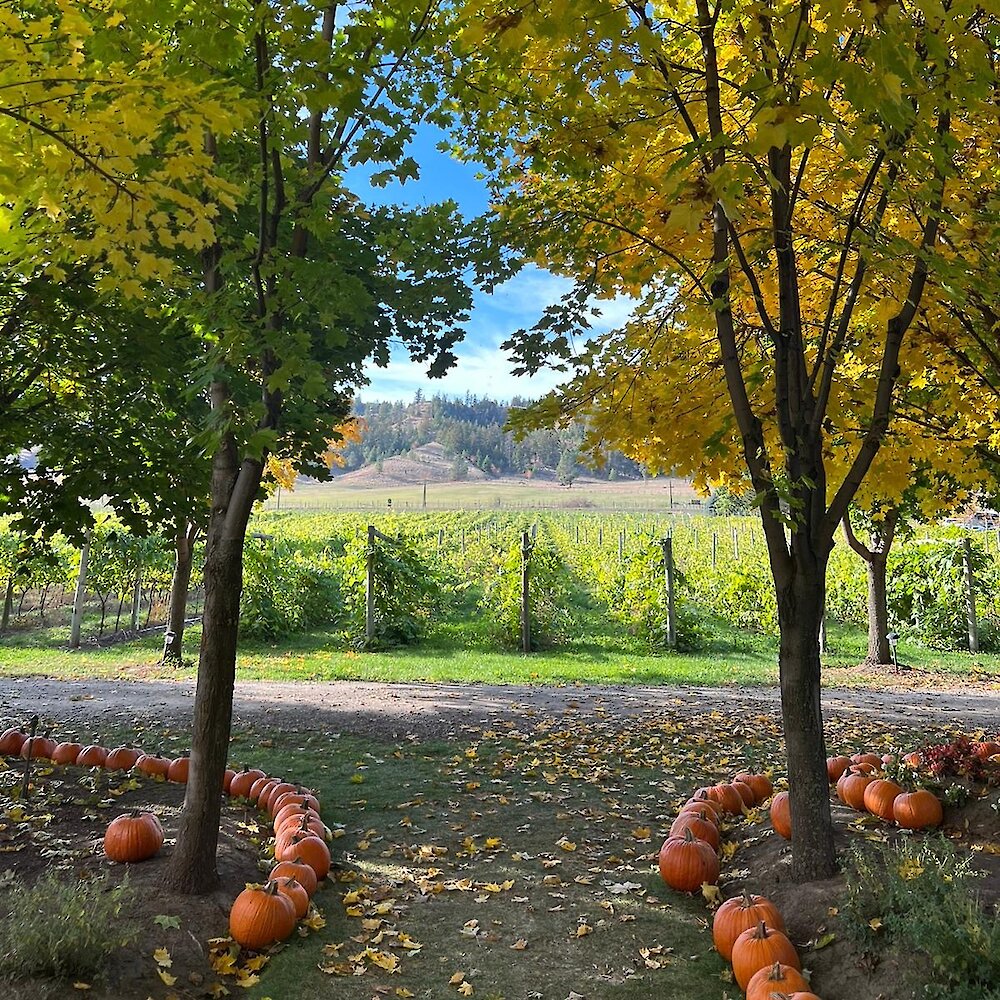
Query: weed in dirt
{"points": [[918, 897], [56, 929]]}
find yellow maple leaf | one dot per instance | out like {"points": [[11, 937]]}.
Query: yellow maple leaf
{"points": [[162, 958], [166, 977], [456, 979], [466, 989]]}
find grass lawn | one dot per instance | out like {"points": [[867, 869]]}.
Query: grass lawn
{"points": [[459, 648]]}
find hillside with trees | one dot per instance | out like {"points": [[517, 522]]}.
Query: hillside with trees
{"points": [[473, 430]]}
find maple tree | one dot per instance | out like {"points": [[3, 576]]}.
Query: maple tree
{"points": [[779, 190]]}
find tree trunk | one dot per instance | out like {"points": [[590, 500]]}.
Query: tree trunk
{"points": [[878, 611], [192, 868], [800, 608], [8, 604], [173, 641]]}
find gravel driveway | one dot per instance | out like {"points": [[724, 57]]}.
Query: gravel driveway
{"points": [[395, 710]]}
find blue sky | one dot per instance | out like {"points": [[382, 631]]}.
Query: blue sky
{"points": [[482, 369]]}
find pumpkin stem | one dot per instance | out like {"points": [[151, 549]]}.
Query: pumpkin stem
{"points": [[761, 932], [271, 888], [688, 835], [776, 975], [747, 899]]}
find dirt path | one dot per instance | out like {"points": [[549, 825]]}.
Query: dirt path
{"points": [[396, 710]]}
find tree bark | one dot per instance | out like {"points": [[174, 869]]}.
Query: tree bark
{"points": [[801, 599], [192, 868], [180, 584], [876, 558], [8, 604]]}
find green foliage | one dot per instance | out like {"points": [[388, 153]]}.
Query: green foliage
{"points": [[919, 897], [548, 584], [62, 929], [406, 590], [286, 590], [926, 592]]}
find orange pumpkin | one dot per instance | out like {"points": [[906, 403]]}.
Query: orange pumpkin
{"points": [[179, 769], [39, 748], [92, 756], [239, 787], [913, 759], [122, 758], [132, 837], [264, 802], [66, 753], [745, 793], [260, 916], [781, 815], [153, 765], [259, 787], [758, 948], [314, 852], [298, 870], [702, 801], [686, 863], [836, 766], [986, 749], [289, 834], [227, 779], [301, 797], [776, 978], [11, 741], [872, 759], [294, 811], [728, 797], [851, 789], [879, 797], [737, 915], [917, 810], [703, 829], [759, 783], [295, 891]]}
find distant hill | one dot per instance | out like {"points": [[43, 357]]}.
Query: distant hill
{"points": [[442, 439]]}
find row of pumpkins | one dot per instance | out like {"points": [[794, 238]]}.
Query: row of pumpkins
{"points": [[261, 915], [748, 931]]}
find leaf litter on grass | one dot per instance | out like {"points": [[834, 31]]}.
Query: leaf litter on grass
{"points": [[539, 835]]}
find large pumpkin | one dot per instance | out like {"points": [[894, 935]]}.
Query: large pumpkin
{"points": [[92, 756], [136, 836], [737, 915], [868, 758], [300, 797], [293, 831], [851, 789], [917, 810], [153, 765], [728, 797], [295, 891], [179, 769], [261, 916], [879, 797], [39, 748], [686, 863], [836, 766], [776, 978], [758, 948], [702, 801], [781, 815]]}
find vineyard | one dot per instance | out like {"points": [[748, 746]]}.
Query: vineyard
{"points": [[666, 582]]}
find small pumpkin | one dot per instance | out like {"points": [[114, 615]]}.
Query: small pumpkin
{"points": [[259, 788], [737, 915], [11, 741], [288, 834], [227, 779], [917, 810], [314, 852], [703, 829], [264, 802], [300, 797], [66, 753], [728, 797], [873, 759], [260, 916], [986, 749], [295, 891], [134, 836], [299, 870], [913, 759], [294, 810], [759, 948], [153, 765], [122, 758], [776, 978], [836, 766], [701, 799], [92, 756], [686, 863], [879, 797], [759, 783], [179, 769], [781, 815], [851, 789], [239, 787]]}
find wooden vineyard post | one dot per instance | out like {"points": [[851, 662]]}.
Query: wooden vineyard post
{"points": [[8, 603], [715, 548], [370, 588], [136, 603], [621, 546], [736, 546], [970, 597], [525, 602], [668, 571], [78, 596]]}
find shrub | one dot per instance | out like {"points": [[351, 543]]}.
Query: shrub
{"points": [[917, 898], [60, 929]]}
